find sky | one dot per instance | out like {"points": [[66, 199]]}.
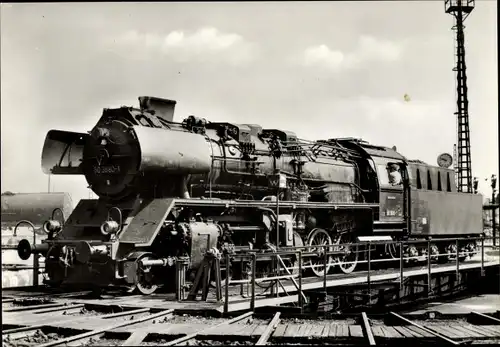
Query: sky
{"points": [[320, 69]]}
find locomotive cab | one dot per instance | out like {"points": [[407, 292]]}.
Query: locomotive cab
{"points": [[391, 174], [389, 186]]}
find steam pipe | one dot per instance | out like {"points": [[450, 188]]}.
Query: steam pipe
{"points": [[154, 262]]}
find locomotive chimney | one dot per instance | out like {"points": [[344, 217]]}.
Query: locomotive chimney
{"points": [[163, 108]]}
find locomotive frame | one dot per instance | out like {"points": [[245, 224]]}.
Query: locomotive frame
{"points": [[235, 189]]}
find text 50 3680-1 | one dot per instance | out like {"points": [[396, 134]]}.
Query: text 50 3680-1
{"points": [[107, 170]]}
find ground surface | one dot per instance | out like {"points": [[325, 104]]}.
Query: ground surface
{"points": [[489, 303]]}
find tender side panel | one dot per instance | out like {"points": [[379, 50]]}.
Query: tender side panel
{"points": [[444, 213], [146, 222], [419, 214]]}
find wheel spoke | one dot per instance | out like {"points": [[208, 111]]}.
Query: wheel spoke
{"points": [[347, 262], [320, 238]]}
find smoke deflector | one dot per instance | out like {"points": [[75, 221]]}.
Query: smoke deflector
{"points": [[163, 108]]}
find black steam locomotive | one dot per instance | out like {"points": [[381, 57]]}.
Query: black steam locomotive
{"points": [[169, 190]]}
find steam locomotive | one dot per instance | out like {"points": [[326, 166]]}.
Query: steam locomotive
{"points": [[170, 190]]}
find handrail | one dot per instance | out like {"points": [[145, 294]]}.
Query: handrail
{"points": [[297, 251], [303, 252], [294, 250]]}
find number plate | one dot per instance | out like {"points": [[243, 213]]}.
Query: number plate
{"points": [[278, 181], [107, 170]]}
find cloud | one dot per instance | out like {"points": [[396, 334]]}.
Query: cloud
{"points": [[395, 121], [383, 121], [322, 55], [368, 49], [397, 109], [205, 45]]}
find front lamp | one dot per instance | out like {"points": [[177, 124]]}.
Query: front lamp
{"points": [[52, 226], [109, 227]]}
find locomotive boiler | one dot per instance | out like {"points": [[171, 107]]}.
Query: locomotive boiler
{"points": [[169, 191]]}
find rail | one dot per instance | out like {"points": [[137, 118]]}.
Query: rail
{"points": [[176, 326]]}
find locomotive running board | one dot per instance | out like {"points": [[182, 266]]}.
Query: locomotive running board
{"points": [[147, 222], [144, 225], [272, 204]]}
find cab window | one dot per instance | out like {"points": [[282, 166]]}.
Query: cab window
{"points": [[419, 180], [429, 180], [389, 173]]}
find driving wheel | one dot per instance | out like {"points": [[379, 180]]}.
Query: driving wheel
{"points": [[319, 237]]}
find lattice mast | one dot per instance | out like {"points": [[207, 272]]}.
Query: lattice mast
{"points": [[455, 162], [461, 9]]}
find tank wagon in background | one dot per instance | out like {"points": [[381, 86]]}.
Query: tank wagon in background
{"points": [[169, 190], [36, 208]]}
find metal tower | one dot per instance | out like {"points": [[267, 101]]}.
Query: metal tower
{"points": [[455, 166], [461, 9]]}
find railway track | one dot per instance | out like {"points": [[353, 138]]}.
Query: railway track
{"points": [[64, 319]]}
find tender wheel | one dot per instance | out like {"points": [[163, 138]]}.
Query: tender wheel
{"points": [[451, 251], [472, 249], [319, 237], [434, 252], [347, 263], [463, 254], [411, 252]]}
